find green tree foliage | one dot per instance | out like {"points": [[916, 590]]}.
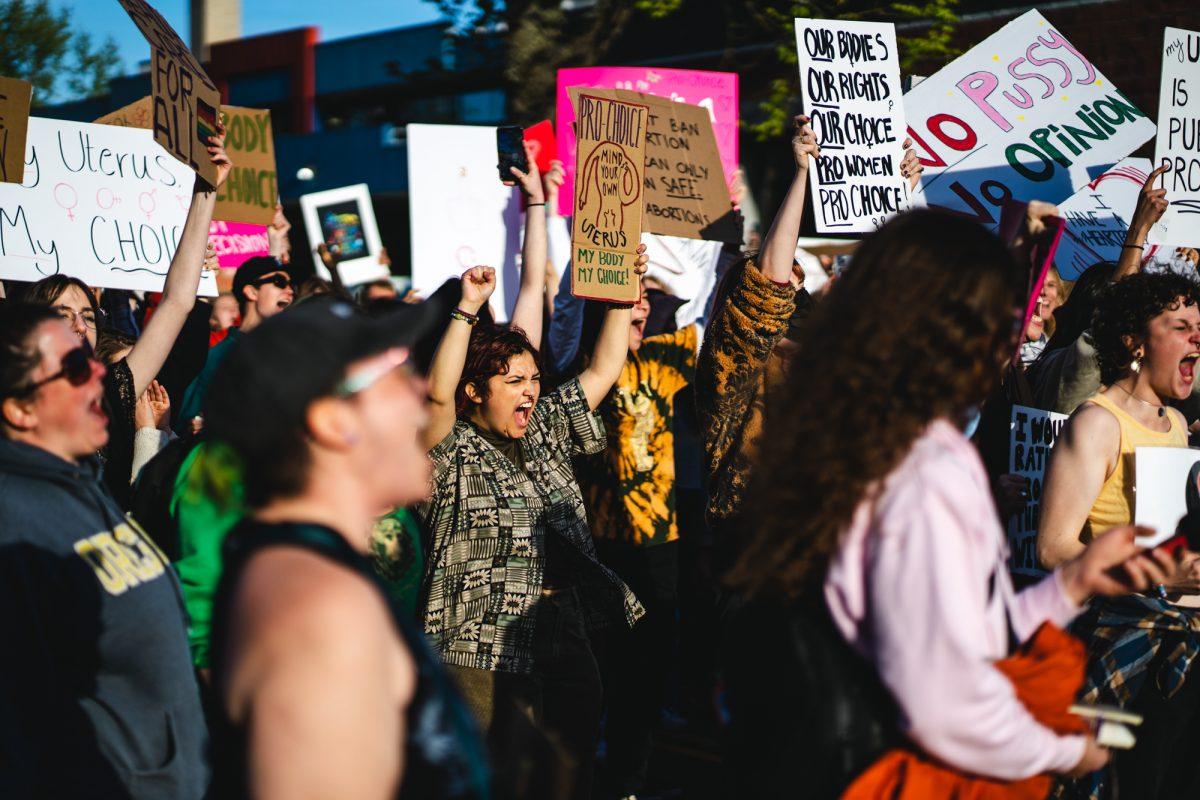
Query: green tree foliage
{"points": [[38, 45]]}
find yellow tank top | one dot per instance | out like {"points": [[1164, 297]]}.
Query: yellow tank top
{"points": [[1114, 504]]}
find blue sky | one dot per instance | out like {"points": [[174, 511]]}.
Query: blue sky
{"points": [[335, 19]]}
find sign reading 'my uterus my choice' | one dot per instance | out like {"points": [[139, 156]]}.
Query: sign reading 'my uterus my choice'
{"points": [[850, 82], [1178, 143]]}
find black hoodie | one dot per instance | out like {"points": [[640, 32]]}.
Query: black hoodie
{"points": [[97, 694]]}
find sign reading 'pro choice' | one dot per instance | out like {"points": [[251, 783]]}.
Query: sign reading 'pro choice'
{"points": [[610, 170]]}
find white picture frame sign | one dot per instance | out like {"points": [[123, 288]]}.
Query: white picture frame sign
{"points": [[346, 217]]}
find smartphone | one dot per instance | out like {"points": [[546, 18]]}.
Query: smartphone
{"points": [[510, 147]]}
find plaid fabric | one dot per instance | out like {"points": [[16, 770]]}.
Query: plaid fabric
{"points": [[1124, 635], [486, 525]]}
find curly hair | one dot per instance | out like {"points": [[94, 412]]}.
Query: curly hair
{"points": [[1123, 313], [917, 328], [488, 354]]}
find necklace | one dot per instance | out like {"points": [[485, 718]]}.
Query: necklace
{"points": [[1162, 410]]}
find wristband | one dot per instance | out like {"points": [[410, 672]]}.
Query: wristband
{"points": [[531, 205], [1137, 246], [463, 316]]}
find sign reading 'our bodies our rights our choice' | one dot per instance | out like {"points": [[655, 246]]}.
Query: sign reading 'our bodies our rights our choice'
{"points": [[15, 96], [850, 84], [186, 101], [1022, 115], [1033, 433], [607, 219], [686, 194], [1178, 142], [100, 203]]}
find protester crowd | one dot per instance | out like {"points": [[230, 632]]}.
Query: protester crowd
{"points": [[325, 541]]}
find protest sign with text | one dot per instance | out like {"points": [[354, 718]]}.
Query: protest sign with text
{"points": [[186, 101], [607, 220], [15, 97], [850, 85], [1178, 142], [101, 203], [686, 192], [1032, 435], [235, 242], [1022, 115], [250, 193], [138, 114], [716, 92]]}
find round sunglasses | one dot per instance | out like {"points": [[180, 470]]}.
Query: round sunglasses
{"points": [[76, 368]]}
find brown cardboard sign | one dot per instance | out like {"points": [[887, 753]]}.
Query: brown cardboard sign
{"points": [[138, 114], [686, 191], [609, 173], [186, 101], [15, 96], [251, 191]]}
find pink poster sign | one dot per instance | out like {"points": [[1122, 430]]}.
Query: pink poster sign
{"points": [[234, 242], [715, 91]]}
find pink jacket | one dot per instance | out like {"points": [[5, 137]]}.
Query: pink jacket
{"points": [[909, 590]]}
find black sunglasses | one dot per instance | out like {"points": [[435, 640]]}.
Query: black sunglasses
{"points": [[279, 281], [76, 368]]}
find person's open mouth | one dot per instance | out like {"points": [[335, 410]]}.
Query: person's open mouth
{"points": [[521, 415], [1187, 367], [283, 303], [96, 408]]}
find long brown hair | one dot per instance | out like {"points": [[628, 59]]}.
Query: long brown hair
{"points": [[917, 328]]}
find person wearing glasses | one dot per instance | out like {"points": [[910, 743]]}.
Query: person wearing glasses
{"points": [[262, 287], [97, 695], [127, 379], [325, 687]]}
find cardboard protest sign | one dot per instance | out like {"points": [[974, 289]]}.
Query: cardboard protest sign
{"points": [[1098, 218], [1178, 142], [138, 114], [607, 220], [186, 101], [715, 92], [235, 242], [850, 84], [1032, 435], [344, 220], [686, 193], [15, 97], [1162, 476], [461, 215], [251, 191], [1022, 115], [101, 203]]}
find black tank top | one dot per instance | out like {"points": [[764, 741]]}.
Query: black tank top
{"points": [[443, 752]]}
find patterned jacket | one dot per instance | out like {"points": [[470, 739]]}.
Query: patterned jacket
{"points": [[735, 368], [630, 486], [486, 524]]}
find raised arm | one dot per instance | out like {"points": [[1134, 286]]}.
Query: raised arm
{"points": [[779, 245], [1151, 205], [527, 314], [183, 277], [612, 345], [478, 283]]}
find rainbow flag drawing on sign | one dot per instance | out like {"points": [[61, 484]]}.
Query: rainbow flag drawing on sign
{"points": [[206, 120]]}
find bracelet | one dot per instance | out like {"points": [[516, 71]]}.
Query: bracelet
{"points": [[463, 316], [531, 205], [1138, 246]]}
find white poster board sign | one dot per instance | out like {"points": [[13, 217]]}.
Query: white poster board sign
{"points": [[1161, 483], [461, 214], [1032, 435], [99, 203], [1098, 218], [1178, 140], [1021, 115], [850, 84], [344, 220]]}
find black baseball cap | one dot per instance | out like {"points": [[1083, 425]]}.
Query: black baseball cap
{"points": [[251, 270], [262, 390]]}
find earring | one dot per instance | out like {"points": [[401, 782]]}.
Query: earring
{"points": [[1136, 366]]}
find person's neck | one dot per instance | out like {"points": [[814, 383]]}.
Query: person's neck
{"points": [[56, 449], [251, 321], [476, 419], [1135, 394], [334, 500]]}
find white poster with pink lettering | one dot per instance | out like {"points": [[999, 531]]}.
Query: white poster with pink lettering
{"points": [[1021, 115]]}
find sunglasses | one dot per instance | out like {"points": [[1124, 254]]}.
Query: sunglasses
{"points": [[76, 368], [368, 376], [278, 281]]}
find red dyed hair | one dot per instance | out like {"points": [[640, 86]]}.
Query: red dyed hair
{"points": [[488, 354]]}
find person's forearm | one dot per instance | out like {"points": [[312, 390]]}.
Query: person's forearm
{"points": [[179, 293], [779, 245], [612, 346], [1130, 261], [444, 374], [527, 313]]}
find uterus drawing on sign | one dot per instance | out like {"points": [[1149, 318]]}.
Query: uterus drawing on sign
{"points": [[609, 173]]}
